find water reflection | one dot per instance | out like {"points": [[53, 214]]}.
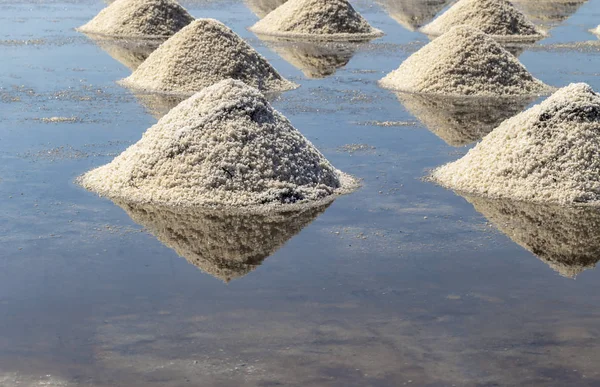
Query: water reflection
{"points": [[262, 8], [549, 12], [413, 14], [226, 245], [158, 105], [130, 53], [566, 238], [461, 121]]}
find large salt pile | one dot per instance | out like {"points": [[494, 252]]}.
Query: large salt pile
{"points": [[549, 154], [224, 147], [226, 245], [413, 14], [316, 20], [497, 18], [202, 54], [262, 8], [463, 61], [565, 238], [139, 19], [461, 121]]}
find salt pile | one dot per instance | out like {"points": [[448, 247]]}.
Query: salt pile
{"points": [[413, 14], [565, 238], [262, 8], [226, 245], [497, 18], [139, 19], [463, 61], [549, 154], [202, 54], [224, 147], [316, 19], [461, 121]]}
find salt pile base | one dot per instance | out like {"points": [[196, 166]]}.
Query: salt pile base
{"points": [[413, 14], [497, 18], [225, 147], [226, 245], [316, 20], [548, 154], [461, 121], [139, 19], [202, 54], [262, 8], [464, 61], [565, 238]]}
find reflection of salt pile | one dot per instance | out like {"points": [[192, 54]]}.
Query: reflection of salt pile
{"points": [[463, 61], [316, 19], [139, 18], [567, 239], [262, 8], [413, 14], [130, 54], [549, 153], [461, 121], [202, 54], [226, 245], [224, 147], [497, 18], [158, 105], [549, 11], [315, 60]]}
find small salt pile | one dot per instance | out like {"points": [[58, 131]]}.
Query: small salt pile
{"points": [[497, 18], [566, 238], [139, 19], [202, 54], [413, 14], [463, 62], [226, 245], [316, 20], [225, 147], [548, 154], [262, 8]]}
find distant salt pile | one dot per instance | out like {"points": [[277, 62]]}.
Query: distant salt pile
{"points": [[226, 245], [225, 147], [413, 14], [316, 20], [548, 154], [202, 54], [262, 8], [139, 19], [463, 62], [565, 238], [497, 18]]}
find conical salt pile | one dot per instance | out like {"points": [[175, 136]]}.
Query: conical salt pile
{"points": [[202, 54], [565, 238], [316, 19], [262, 8], [497, 18], [548, 154], [464, 61], [413, 14], [549, 11], [224, 147], [225, 245], [139, 19]]}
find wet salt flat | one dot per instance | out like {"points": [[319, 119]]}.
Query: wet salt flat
{"points": [[399, 283]]}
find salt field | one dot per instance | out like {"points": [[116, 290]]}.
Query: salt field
{"points": [[400, 282]]}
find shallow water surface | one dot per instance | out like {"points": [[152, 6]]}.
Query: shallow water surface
{"points": [[400, 283]]}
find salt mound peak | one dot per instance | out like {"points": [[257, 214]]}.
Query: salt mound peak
{"points": [[547, 154], [223, 244], [225, 147], [139, 18], [463, 62], [497, 18], [202, 54], [316, 19], [566, 238]]}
